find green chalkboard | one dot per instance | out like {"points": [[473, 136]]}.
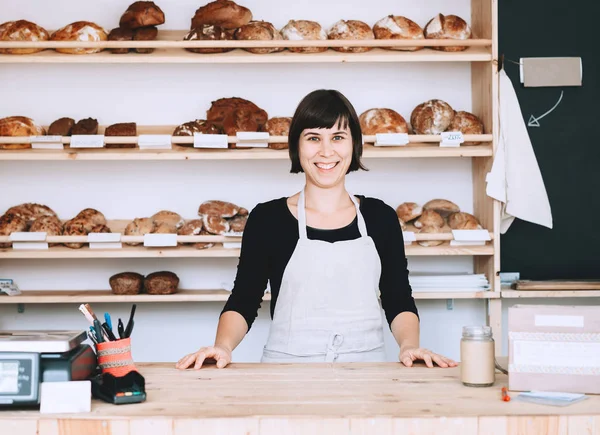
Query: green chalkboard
{"points": [[567, 142]]}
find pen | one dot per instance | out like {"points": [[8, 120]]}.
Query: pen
{"points": [[108, 320], [98, 330], [91, 317], [129, 327], [109, 332], [121, 329], [92, 335]]}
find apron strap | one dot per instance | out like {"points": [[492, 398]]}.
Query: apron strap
{"points": [[362, 226]]}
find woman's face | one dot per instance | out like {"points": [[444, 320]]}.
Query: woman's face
{"points": [[325, 155]]}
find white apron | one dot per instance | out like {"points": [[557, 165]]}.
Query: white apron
{"points": [[328, 307]]}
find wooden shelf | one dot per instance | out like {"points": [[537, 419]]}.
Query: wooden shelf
{"points": [[415, 150], [62, 252], [106, 296], [520, 294]]}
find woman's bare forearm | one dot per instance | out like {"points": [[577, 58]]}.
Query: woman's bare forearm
{"points": [[231, 330]]}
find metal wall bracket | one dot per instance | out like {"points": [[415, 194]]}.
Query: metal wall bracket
{"points": [[20, 308], [449, 304]]}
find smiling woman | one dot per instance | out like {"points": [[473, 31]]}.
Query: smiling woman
{"points": [[334, 254]]}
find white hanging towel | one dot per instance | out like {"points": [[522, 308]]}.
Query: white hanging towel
{"points": [[515, 178]]}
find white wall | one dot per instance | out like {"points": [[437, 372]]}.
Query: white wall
{"points": [[172, 94]]}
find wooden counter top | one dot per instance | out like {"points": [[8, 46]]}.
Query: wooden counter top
{"points": [[380, 398]]}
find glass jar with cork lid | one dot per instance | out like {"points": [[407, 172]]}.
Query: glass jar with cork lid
{"points": [[477, 357]]}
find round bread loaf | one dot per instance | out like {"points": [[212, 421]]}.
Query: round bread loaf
{"points": [[164, 228], [101, 229], [197, 126], [299, 30], [222, 107], [429, 218], [191, 228], [430, 230], [441, 206], [120, 34], [92, 216], [463, 221], [126, 283], [241, 119], [448, 27], [224, 13], [22, 30], [80, 31], [76, 227], [11, 223], [351, 29], [398, 27], [407, 211], [61, 127], [139, 227], [278, 126], [375, 121], [145, 34], [237, 224], [431, 117], [168, 217], [161, 283], [31, 211], [208, 32], [16, 126], [243, 212], [85, 126], [215, 224], [215, 207], [466, 123], [259, 31], [142, 14], [50, 225], [204, 245]]}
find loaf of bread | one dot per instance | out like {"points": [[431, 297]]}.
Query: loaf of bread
{"points": [[76, 227], [208, 32], [120, 34], [164, 228], [204, 245], [278, 126], [259, 31], [223, 13], [375, 121], [101, 229], [139, 227], [430, 230], [161, 283], [92, 216], [222, 107], [122, 129], [50, 225], [351, 29], [145, 34], [85, 126], [448, 27], [61, 127], [22, 30], [299, 30], [215, 224], [441, 206], [408, 211], [215, 207], [16, 126], [463, 221], [142, 14], [243, 212], [398, 27], [241, 119], [237, 224], [11, 223], [126, 283], [169, 218], [429, 218], [466, 123], [431, 117], [191, 228], [197, 126], [80, 31], [31, 211]]}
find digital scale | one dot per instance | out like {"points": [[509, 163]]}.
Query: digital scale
{"points": [[28, 358]]}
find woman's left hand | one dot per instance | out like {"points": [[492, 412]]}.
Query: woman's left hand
{"points": [[410, 354]]}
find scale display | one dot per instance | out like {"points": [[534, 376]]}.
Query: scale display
{"points": [[9, 377]]}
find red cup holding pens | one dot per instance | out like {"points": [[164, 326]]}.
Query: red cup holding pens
{"points": [[114, 357]]}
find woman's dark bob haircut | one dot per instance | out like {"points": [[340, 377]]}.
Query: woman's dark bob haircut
{"points": [[324, 108]]}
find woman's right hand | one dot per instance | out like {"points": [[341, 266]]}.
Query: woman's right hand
{"points": [[221, 355]]}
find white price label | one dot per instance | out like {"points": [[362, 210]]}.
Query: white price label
{"points": [[452, 139], [409, 237], [232, 245], [391, 139], [28, 246], [160, 240], [87, 141], [104, 237], [46, 142], [45, 139], [210, 140], [154, 141], [253, 139], [28, 237], [106, 245], [471, 235]]}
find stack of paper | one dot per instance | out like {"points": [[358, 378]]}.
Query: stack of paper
{"points": [[448, 282], [551, 398]]}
